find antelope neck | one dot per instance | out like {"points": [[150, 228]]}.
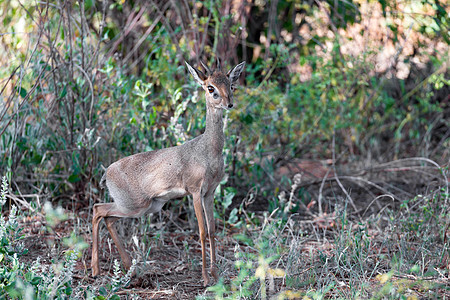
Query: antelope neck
{"points": [[214, 127]]}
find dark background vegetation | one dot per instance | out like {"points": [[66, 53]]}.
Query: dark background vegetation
{"points": [[351, 95]]}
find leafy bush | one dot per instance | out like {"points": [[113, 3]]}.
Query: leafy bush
{"points": [[77, 97]]}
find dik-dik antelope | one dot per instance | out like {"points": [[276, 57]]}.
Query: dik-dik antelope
{"points": [[144, 182]]}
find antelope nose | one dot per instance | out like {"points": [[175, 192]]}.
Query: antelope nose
{"points": [[230, 105]]}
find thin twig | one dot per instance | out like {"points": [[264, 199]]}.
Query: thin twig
{"points": [[337, 178], [147, 33]]}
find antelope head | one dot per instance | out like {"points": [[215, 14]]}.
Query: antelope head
{"points": [[219, 87]]}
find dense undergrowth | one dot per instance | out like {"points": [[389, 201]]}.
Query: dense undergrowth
{"points": [[402, 256], [361, 87]]}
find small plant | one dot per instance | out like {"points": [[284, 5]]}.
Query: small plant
{"points": [[118, 281], [400, 288], [3, 191], [255, 273], [11, 249]]}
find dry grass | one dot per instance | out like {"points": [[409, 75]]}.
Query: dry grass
{"points": [[386, 249]]}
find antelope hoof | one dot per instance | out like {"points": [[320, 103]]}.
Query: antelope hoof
{"points": [[205, 279], [95, 273], [95, 269], [214, 273], [127, 263], [134, 274], [206, 282]]}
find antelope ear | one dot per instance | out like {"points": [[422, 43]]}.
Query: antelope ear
{"points": [[233, 74], [198, 75]]}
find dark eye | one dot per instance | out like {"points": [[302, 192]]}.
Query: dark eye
{"points": [[232, 88], [210, 89]]}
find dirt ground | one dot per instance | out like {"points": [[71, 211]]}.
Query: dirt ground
{"points": [[168, 251]]}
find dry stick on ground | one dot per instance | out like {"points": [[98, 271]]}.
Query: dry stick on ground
{"points": [[337, 178], [319, 200], [146, 292], [381, 167], [352, 178], [381, 196], [24, 203]]}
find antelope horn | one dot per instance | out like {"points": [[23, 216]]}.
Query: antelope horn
{"points": [[208, 71], [219, 67]]}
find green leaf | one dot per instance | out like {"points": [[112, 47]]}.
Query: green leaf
{"points": [[243, 238], [28, 276], [63, 92], [219, 289], [36, 280], [22, 92], [13, 292], [248, 119], [228, 198], [232, 219], [68, 291], [102, 291], [73, 178]]}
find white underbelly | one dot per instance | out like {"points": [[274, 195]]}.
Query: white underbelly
{"points": [[158, 201], [171, 194]]}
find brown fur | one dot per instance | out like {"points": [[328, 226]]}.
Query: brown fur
{"points": [[144, 182]]}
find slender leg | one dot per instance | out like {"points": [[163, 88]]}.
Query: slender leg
{"points": [[201, 227], [110, 213], [208, 205], [112, 230]]}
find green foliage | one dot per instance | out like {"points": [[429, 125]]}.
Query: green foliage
{"points": [[253, 268], [118, 282], [77, 98], [19, 280], [85, 84], [402, 288], [365, 261], [10, 251]]}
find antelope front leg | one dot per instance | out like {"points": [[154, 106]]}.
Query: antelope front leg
{"points": [[201, 227], [208, 204]]}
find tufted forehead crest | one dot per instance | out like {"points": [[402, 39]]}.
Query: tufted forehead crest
{"points": [[219, 79]]}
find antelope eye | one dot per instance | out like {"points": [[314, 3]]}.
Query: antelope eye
{"points": [[232, 88], [210, 89]]}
